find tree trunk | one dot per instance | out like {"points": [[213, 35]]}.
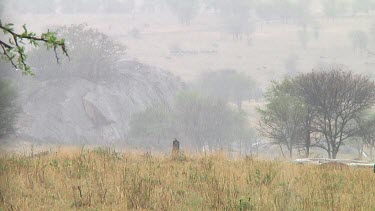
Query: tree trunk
{"points": [[329, 148], [360, 151], [291, 152], [308, 144], [334, 153], [239, 104], [329, 152], [307, 152], [289, 146], [334, 149], [282, 152]]}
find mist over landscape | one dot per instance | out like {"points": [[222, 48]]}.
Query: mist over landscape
{"points": [[143, 73], [187, 104]]}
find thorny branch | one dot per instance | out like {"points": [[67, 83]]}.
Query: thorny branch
{"points": [[14, 50]]}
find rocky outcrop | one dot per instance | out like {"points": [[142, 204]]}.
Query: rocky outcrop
{"points": [[77, 110]]}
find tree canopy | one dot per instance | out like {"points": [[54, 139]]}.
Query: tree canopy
{"points": [[228, 85], [282, 118], [93, 55], [327, 104]]}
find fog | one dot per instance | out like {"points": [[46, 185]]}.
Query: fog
{"points": [[142, 73]]}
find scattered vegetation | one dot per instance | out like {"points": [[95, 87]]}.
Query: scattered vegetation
{"points": [[202, 122], [104, 179]]}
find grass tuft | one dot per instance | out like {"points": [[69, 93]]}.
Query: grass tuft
{"points": [[103, 179]]}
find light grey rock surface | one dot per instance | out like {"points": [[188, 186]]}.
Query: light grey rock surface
{"points": [[79, 111]]}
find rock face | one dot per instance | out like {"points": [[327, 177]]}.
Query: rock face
{"points": [[77, 110]]}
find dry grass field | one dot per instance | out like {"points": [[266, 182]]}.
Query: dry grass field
{"points": [[101, 179]]}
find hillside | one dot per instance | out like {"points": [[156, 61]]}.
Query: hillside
{"points": [[75, 110], [188, 50]]}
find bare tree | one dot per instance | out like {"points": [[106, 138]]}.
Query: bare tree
{"points": [[321, 109], [338, 98]]}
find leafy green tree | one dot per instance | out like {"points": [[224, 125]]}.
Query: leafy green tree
{"points": [[153, 126], [266, 11], [237, 18], [332, 8], [302, 13], [367, 130], [363, 6], [119, 6], [303, 38], [205, 121], [153, 6], [184, 10], [291, 64], [93, 55], [198, 121], [228, 85], [359, 40], [12, 45], [287, 11], [282, 118]]}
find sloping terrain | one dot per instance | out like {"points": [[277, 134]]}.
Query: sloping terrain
{"points": [[79, 111]]}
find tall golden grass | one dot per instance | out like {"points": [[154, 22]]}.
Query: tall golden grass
{"points": [[103, 179]]}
